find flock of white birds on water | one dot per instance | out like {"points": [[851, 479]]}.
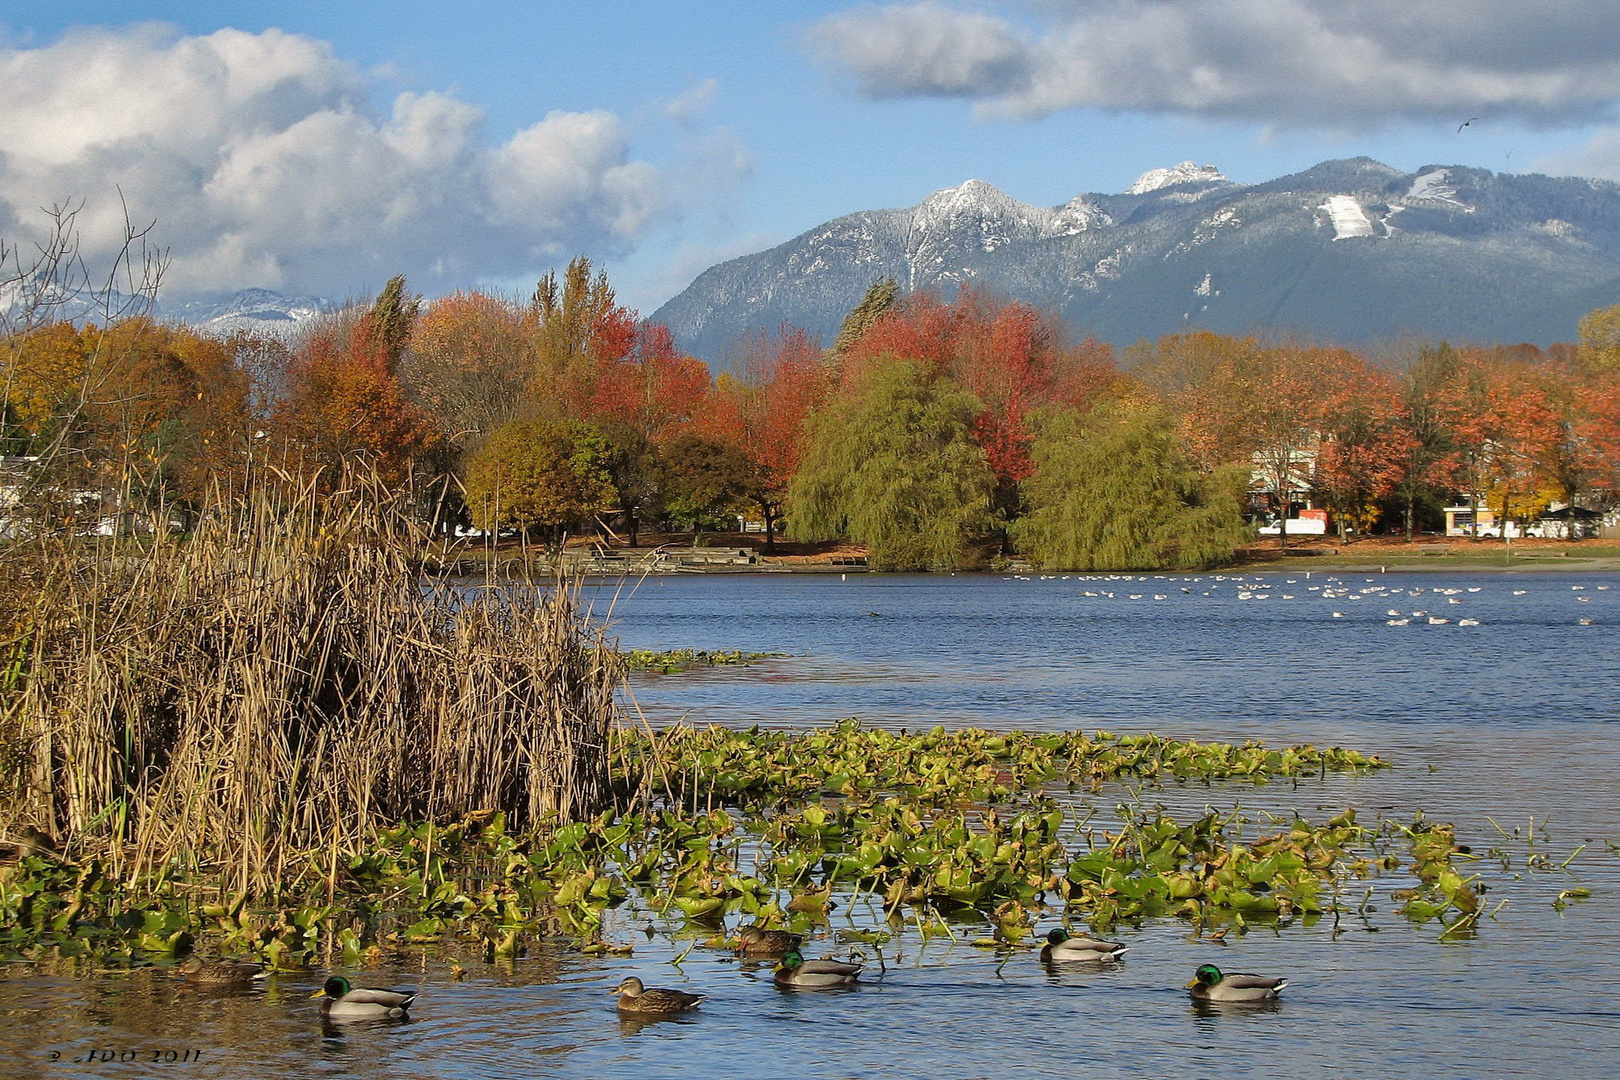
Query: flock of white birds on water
{"points": [[1259, 588]]}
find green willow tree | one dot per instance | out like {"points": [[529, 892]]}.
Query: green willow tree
{"points": [[1114, 490], [893, 465], [542, 477]]}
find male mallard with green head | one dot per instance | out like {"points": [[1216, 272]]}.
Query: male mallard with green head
{"points": [[345, 1002], [758, 941], [795, 970], [233, 973], [654, 1001], [1208, 984], [1062, 946]]}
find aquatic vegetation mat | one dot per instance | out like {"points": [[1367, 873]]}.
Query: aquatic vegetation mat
{"points": [[674, 661], [924, 831]]}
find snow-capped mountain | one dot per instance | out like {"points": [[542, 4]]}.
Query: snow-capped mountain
{"points": [[1185, 173], [1347, 251], [256, 311]]}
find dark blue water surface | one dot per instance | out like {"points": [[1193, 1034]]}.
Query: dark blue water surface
{"points": [[1506, 725]]}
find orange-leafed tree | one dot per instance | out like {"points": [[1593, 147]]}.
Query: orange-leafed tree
{"points": [[1502, 427], [1241, 401], [1364, 443], [1599, 429], [469, 363], [344, 401]]}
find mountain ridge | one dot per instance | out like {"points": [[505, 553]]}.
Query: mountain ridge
{"points": [[1349, 250]]}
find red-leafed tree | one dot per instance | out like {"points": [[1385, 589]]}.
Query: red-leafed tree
{"points": [[1010, 356], [784, 379]]}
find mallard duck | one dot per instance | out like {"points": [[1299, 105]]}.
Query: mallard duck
{"points": [[654, 1001], [1061, 946], [220, 972], [797, 971], [345, 1002], [758, 941], [1208, 984]]}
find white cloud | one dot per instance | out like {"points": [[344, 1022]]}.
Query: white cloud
{"points": [[925, 49], [264, 164], [1340, 64]]}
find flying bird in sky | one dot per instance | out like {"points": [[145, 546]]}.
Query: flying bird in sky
{"points": [[1465, 123]]}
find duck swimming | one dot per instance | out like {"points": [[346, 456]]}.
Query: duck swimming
{"points": [[814, 974], [642, 1000], [219, 972], [1061, 945], [345, 1002], [758, 941], [1208, 984]]}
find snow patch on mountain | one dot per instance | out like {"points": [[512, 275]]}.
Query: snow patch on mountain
{"points": [[1431, 187], [1348, 218], [1187, 172]]}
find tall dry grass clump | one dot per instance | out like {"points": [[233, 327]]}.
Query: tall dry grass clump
{"points": [[288, 679]]}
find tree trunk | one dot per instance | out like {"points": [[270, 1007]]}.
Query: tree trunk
{"points": [[632, 524], [767, 511], [1411, 499]]}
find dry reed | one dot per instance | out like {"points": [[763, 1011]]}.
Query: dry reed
{"points": [[287, 680]]}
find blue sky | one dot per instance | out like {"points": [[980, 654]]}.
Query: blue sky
{"points": [[684, 133]]}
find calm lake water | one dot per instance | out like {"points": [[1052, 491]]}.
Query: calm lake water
{"points": [[1511, 721]]}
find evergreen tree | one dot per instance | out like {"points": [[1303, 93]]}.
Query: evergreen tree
{"points": [[893, 465], [878, 299], [1115, 490], [392, 316]]}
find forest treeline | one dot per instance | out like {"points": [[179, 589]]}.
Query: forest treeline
{"points": [[932, 431]]}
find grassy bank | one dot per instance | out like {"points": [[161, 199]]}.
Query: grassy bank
{"points": [[1448, 554]]}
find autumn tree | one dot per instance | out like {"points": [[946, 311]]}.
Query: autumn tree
{"points": [[1201, 377], [1363, 444], [1566, 455], [891, 463], [1114, 489], [152, 414], [1599, 351], [784, 378], [344, 399], [579, 327], [469, 363], [703, 479], [1427, 417], [544, 477], [1502, 424]]}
